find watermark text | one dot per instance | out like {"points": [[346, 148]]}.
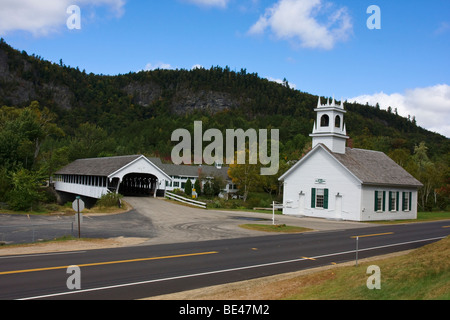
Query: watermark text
{"points": [[237, 142]]}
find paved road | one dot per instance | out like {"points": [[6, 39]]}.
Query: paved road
{"points": [[144, 271]]}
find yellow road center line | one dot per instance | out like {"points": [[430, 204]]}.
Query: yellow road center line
{"points": [[446, 227], [110, 262], [309, 258], [372, 235]]}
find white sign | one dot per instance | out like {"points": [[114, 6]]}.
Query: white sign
{"points": [[78, 205]]}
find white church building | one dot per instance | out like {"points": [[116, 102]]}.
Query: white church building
{"points": [[336, 182]]}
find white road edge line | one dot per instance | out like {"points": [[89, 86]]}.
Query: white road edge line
{"points": [[221, 271], [41, 254]]}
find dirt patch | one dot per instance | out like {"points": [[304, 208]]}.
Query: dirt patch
{"points": [[70, 245]]}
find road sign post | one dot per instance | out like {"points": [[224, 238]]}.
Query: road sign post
{"points": [[273, 213], [78, 206], [357, 248], [275, 206]]}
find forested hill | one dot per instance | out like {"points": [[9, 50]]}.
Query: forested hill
{"points": [[137, 112]]}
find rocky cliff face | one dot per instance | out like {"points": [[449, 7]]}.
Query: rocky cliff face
{"points": [[184, 100], [187, 101], [16, 90], [143, 94], [24, 84]]}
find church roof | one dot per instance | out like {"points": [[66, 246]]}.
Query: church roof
{"points": [[369, 167], [375, 168]]}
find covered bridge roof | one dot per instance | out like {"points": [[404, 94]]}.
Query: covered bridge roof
{"points": [[105, 167], [102, 167]]}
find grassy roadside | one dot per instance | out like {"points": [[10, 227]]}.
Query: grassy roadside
{"points": [[423, 274], [421, 217], [274, 228]]}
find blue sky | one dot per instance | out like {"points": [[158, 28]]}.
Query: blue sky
{"points": [[323, 47]]}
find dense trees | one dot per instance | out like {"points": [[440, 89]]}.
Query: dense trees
{"points": [[22, 133]]}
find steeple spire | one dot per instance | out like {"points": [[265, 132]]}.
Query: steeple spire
{"points": [[329, 128]]}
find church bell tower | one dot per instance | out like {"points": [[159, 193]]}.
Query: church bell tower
{"points": [[329, 128]]}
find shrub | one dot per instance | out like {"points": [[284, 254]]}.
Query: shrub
{"points": [[109, 200], [25, 192]]}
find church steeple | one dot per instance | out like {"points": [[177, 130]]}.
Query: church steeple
{"points": [[329, 128]]}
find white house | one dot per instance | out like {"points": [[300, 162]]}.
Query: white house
{"points": [[337, 182], [180, 174]]}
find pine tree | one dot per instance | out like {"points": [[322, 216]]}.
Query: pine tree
{"points": [[198, 187], [188, 187]]}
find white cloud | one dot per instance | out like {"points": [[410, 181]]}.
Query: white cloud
{"points": [[158, 65], [291, 85], [45, 16], [430, 105], [308, 23], [210, 3], [443, 28], [197, 66]]}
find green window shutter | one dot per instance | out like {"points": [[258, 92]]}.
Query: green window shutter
{"points": [[396, 201], [410, 201], [384, 200], [390, 200], [325, 199], [376, 201], [313, 197]]}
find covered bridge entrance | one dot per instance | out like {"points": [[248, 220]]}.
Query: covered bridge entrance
{"points": [[138, 184], [127, 175]]}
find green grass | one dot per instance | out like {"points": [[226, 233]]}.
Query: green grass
{"points": [[423, 274], [274, 228], [421, 217]]}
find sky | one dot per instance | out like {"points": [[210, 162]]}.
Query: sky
{"points": [[396, 54]]}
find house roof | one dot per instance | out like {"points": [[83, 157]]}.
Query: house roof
{"points": [[369, 167], [190, 171]]}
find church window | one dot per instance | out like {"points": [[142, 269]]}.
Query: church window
{"points": [[406, 201], [337, 122], [380, 197], [393, 201], [325, 121], [319, 198]]}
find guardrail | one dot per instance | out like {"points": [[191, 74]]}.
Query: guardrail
{"points": [[176, 197]]}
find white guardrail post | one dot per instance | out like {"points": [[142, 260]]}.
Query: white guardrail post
{"points": [[176, 197]]}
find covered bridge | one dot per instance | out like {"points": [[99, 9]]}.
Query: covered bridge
{"points": [[127, 175]]}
